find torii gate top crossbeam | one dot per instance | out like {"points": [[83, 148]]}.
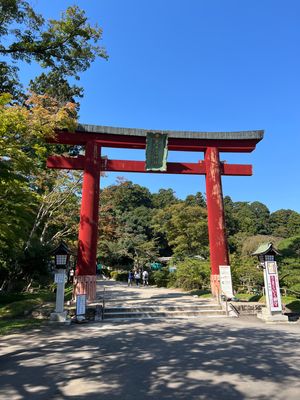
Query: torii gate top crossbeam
{"points": [[244, 141], [92, 129]]}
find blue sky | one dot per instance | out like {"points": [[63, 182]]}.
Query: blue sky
{"points": [[202, 65]]}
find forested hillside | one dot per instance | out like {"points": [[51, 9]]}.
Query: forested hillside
{"points": [[137, 226]]}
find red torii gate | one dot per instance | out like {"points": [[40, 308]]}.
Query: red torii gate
{"points": [[95, 137]]}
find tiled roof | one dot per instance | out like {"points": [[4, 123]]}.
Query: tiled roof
{"points": [[264, 249]]}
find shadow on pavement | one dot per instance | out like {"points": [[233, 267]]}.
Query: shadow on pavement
{"points": [[151, 360]]}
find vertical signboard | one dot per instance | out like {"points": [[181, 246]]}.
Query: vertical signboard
{"points": [[226, 281], [272, 286], [80, 304], [59, 279]]}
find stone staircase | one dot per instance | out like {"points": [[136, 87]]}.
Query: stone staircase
{"points": [[208, 310], [131, 303]]}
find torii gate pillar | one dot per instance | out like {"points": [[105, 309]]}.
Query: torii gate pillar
{"points": [[215, 214], [88, 229]]}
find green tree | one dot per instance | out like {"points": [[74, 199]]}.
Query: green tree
{"points": [[59, 203], [293, 224], [125, 225], [37, 208], [196, 200], [125, 196], [281, 222], [22, 157], [63, 48], [231, 222], [114, 254], [164, 198], [261, 215], [245, 217], [185, 228], [289, 263]]}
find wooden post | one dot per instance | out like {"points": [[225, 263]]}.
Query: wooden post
{"points": [[88, 227], [215, 213]]}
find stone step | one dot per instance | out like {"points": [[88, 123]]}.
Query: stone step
{"points": [[122, 300], [149, 304], [164, 314], [162, 308]]}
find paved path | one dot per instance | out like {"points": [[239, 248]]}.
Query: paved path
{"points": [[118, 294], [192, 359]]}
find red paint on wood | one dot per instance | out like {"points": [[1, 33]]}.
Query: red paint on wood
{"points": [[215, 211], [140, 166], [61, 162], [86, 284], [88, 228], [175, 168], [236, 169], [139, 142]]}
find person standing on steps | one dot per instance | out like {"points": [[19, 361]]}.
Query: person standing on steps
{"points": [[130, 278], [145, 277], [137, 277]]}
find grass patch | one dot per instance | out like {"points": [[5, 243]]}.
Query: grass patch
{"points": [[201, 293], [288, 299], [292, 303], [11, 326], [250, 297], [42, 296], [18, 308], [14, 307]]}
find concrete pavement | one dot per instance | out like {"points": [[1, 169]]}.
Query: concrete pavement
{"points": [[117, 294], [212, 359]]}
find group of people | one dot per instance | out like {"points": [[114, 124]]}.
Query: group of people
{"points": [[136, 276]]}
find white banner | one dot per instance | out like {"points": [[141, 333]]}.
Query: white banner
{"points": [[272, 286], [80, 304], [226, 281]]}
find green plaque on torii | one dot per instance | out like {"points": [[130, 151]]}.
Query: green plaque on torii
{"points": [[156, 151]]}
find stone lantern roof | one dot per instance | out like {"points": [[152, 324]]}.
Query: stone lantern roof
{"points": [[266, 248]]}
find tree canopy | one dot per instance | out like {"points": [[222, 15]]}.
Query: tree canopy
{"points": [[62, 47], [38, 207]]}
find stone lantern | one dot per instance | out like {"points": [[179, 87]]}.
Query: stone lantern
{"points": [[266, 254], [61, 256]]}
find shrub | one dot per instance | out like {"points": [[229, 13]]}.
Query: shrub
{"points": [[120, 276], [172, 279], [245, 274], [192, 274], [161, 277]]}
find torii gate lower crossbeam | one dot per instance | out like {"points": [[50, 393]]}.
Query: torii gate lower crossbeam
{"points": [[92, 164]]}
